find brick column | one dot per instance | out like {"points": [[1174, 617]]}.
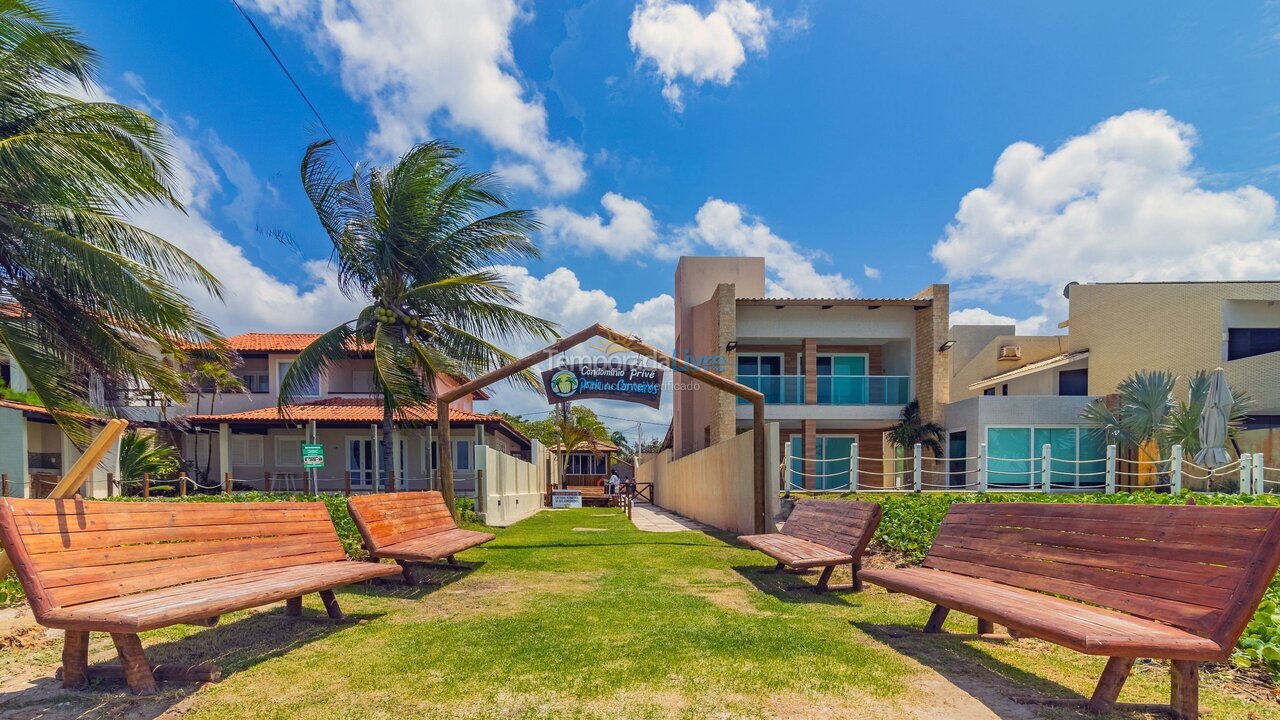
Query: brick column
{"points": [[809, 431], [723, 420], [810, 371]]}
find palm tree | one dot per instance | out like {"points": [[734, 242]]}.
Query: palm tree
{"points": [[417, 242], [911, 429], [88, 292], [572, 430], [215, 377]]}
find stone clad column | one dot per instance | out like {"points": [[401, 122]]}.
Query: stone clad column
{"points": [[810, 371]]}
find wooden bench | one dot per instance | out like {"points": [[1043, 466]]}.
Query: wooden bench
{"points": [[125, 568], [822, 533], [1171, 582], [411, 527]]}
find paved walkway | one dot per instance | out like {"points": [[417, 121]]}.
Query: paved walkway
{"points": [[651, 518]]}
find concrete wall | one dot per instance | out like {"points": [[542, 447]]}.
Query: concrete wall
{"points": [[716, 485], [1175, 326], [986, 362], [509, 490]]}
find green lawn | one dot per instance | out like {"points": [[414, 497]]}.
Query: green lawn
{"points": [[560, 623]]}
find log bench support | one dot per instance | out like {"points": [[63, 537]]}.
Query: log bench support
{"points": [[75, 659]]}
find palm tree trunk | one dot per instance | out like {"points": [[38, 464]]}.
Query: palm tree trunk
{"points": [[208, 451], [388, 464]]}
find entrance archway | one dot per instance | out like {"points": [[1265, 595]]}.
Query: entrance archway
{"points": [[755, 397]]}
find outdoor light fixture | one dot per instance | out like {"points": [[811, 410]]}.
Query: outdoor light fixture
{"points": [[946, 346], [731, 346]]}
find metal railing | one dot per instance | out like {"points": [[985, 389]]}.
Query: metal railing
{"points": [[982, 473]]}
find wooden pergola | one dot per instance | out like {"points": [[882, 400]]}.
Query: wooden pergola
{"points": [[755, 397]]}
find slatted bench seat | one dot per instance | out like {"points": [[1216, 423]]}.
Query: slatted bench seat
{"points": [[411, 527], [822, 533], [1177, 583], [125, 568]]}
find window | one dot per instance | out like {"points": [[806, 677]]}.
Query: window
{"points": [[289, 451], [255, 382], [1247, 342], [989, 391], [246, 450], [831, 461], [760, 365], [842, 379], [764, 373], [462, 457], [1004, 389], [1073, 383], [308, 389], [1077, 458], [585, 464]]}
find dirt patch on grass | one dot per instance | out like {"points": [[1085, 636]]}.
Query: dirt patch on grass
{"points": [[508, 594], [723, 588]]}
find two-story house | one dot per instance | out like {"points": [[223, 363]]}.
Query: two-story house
{"points": [[246, 434], [835, 372], [1017, 393]]}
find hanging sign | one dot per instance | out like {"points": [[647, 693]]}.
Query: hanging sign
{"points": [[606, 381], [312, 455]]}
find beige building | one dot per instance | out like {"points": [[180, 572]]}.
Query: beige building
{"points": [[835, 372], [1014, 391]]}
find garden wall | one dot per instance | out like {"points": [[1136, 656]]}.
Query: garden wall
{"points": [[509, 490], [715, 485]]}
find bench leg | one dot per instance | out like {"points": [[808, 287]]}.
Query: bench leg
{"points": [[776, 568], [824, 582], [331, 605], [936, 618], [452, 562], [293, 606], [1184, 691], [137, 672], [406, 572], [75, 659], [986, 627], [856, 568], [1108, 689]]}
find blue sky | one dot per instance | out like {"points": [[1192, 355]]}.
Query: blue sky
{"points": [[853, 142]]}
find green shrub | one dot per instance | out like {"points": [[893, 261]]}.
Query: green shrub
{"points": [[911, 521]]}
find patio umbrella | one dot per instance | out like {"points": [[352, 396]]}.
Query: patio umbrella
{"points": [[1213, 422]]}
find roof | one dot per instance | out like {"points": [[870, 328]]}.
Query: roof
{"points": [[1031, 368], [44, 412], [260, 342], [338, 410], [918, 303], [593, 446]]}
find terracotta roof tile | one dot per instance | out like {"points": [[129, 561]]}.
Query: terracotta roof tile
{"points": [[342, 409]]}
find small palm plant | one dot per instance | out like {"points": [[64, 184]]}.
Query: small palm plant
{"points": [[911, 429], [215, 378], [142, 452], [572, 431]]}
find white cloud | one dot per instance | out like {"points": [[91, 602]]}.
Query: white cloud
{"points": [[447, 60], [1119, 203], [981, 316], [682, 42], [728, 228], [629, 229], [870, 272]]}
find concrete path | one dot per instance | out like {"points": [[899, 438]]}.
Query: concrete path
{"points": [[651, 518]]}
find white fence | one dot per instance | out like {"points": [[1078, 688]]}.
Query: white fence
{"points": [[508, 489], [1248, 474]]}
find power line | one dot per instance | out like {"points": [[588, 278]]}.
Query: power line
{"points": [[296, 86]]}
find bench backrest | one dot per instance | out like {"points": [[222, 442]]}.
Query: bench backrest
{"points": [[389, 518], [838, 524], [1200, 568], [68, 552]]}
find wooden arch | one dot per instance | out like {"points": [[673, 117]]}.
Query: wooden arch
{"points": [[754, 397]]}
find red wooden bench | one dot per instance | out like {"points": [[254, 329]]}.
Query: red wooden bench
{"points": [[411, 527], [1171, 582], [125, 568], [822, 533]]}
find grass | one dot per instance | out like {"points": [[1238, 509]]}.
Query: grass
{"points": [[556, 622]]}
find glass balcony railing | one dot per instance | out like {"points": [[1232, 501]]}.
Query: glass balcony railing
{"points": [[864, 390], [777, 389], [832, 389]]}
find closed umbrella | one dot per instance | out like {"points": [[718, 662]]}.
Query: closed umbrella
{"points": [[1213, 422]]}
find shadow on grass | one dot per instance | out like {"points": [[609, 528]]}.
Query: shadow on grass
{"points": [[234, 647], [574, 545], [792, 587], [991, 681], [431, 577]]}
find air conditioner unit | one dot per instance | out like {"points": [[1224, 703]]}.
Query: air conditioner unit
{"points": [[1010, 352]]}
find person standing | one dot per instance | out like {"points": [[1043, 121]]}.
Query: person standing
{"points": [[614, 480]]}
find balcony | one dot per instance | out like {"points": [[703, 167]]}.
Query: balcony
{"points": [[832, 389]]}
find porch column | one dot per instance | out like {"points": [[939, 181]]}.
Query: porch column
{"points": [[810, 371], [479, 434], [377, 456], [430, 437], [313, 436], [398, 476], [224, 448], [809, 432]]}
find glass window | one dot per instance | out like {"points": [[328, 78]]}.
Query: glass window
{"points": [[289, 451], [1009, 456], [246, 450], [1073, 383], [462, 454], [1247, 342], [308, 389]]}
